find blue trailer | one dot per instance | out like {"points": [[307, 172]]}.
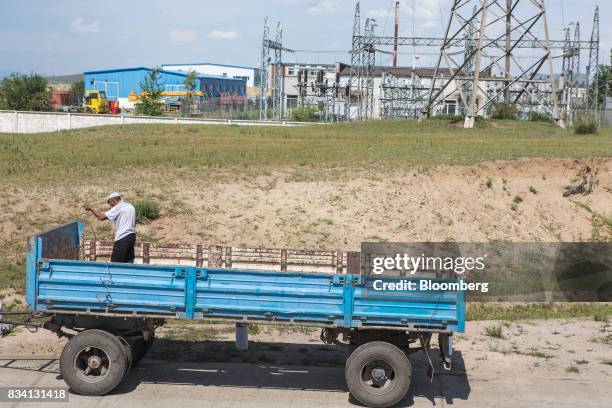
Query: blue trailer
{"points": [[110, 312]]}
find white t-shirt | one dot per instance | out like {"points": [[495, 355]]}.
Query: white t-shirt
{"points": [[123, 215]]}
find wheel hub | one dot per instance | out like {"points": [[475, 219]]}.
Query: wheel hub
{"points": [[94, 362], [379, 374]]}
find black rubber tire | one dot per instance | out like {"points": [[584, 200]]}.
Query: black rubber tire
{"points": [[140, 348], [112, 347], [393, 358], [604, 293], [127, 350]]}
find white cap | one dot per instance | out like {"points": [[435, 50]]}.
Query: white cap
{"points": [[113, 196]]}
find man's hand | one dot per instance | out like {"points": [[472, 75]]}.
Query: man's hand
{"points": [[99, 214]]}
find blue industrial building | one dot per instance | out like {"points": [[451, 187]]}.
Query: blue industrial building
{"points": [[121, 82]]}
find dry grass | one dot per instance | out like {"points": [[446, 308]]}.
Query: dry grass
{"points": [[94, 152]]}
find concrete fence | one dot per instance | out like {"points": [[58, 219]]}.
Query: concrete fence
{"points": [[43, 122]]}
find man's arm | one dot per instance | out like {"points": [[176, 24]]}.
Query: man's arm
{"points": [[99, 214]]}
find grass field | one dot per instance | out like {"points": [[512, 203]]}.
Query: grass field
{"points": [[93, 152]]}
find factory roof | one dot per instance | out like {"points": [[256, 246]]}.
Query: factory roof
{"points": [[164, 71], [209, 63]]}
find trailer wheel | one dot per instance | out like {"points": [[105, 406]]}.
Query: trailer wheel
{"points": [[127, 350], [93, 362], [140, 348], [378, 374]]}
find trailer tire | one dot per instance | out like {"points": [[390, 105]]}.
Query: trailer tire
{"points": [[93, 362], [127, 350], [140, 348], [378, 374]]}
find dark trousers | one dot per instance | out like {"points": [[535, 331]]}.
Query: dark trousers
{"points": [[123, 250]]}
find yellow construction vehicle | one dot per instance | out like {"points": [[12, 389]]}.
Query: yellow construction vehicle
{"points": [[95, 102]]}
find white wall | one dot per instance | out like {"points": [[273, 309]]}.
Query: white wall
{"points": [[43, 122], [210, 69]]}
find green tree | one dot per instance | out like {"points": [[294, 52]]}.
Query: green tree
{"points": [[25, 92], [151, 90], [78, 89], [604, 82], [190, 83]]}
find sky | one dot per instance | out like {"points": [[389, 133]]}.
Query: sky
{"points": [[67, 37]]}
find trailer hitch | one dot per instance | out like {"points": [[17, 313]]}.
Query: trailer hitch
{"points": [[26, 321]]}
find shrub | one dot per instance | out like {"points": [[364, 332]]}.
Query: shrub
{"points": [[305, 114], [538, 117], [585, 125], [600, 316], [451, 118], [146, 211], [502, 110], [494, 331]]}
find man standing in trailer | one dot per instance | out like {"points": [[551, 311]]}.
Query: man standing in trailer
{"points": [[123, 216]]}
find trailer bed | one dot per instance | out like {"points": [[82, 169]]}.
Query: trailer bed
{"points": [[74, 286]]}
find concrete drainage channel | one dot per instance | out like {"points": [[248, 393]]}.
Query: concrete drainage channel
{"points": [[45, 122]]}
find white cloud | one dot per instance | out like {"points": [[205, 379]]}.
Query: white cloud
{"points": [[183, 36], [380, 13], [324, 7], [224, 35], [79, 26]]}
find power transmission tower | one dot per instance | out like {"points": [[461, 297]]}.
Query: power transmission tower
{"points": [[275, 45], [354, 84], [369, 56], [468, 55], [277, 94], [575, 65], [263, 74], [592, 70], [567, 75], [523, 84]]}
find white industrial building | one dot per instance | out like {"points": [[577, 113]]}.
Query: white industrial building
{"points": [[397, 92], [249, 74]]}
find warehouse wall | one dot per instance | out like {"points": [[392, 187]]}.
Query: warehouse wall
{"points": [[128, 80], [214, 87], [220, 70], [43, 122]]}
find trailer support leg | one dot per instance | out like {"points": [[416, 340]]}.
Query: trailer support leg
{"points": [[242, 336], [1, 324]]}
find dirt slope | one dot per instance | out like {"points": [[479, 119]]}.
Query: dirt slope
{"points": [[290, 208]]}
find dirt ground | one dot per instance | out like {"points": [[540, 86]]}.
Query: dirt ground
{"points": [[339, 210], [557, 362]]}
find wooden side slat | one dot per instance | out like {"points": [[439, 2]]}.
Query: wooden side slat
{"points": [[216, 256]]}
